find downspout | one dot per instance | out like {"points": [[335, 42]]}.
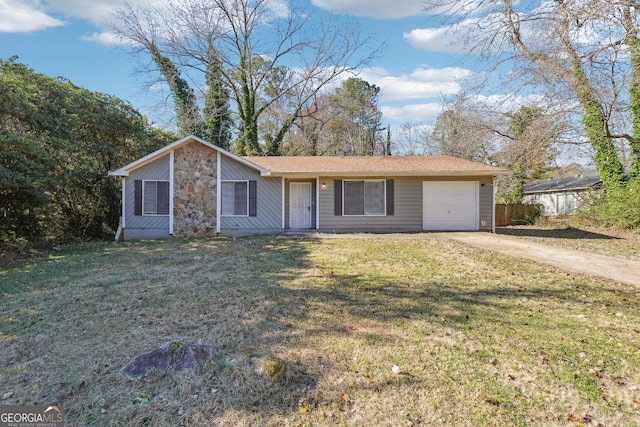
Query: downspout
{"points": [[124, 199], [122, 214], [218, 189], [282, 207], [317, 203], [171, 184]]}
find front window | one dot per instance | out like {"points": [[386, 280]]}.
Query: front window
{"points": [[364, 197], [566, 203], [235, 198], [155, 198]]}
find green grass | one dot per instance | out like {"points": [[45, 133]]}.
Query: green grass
{"points": [[480, 338]]}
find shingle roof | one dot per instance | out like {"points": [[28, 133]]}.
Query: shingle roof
{"points": [[372, 165], [576, 182]]}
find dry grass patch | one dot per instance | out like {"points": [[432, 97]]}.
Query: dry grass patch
{"points": [[476, 338], [603, 241]]}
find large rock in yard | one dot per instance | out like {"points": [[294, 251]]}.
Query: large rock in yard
{"points": [[173, 355], [263, 365]]}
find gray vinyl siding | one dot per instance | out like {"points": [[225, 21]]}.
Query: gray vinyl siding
{"points": [[486, 203], [313, 201], [141, 227], [268, 198], [407, 215], [408, 204]]}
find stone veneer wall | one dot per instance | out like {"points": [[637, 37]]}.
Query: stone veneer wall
{"points": [[194, 192]]}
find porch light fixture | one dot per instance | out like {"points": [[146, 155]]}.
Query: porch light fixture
{"points": [[324, 186]]}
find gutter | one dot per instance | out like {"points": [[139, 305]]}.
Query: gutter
{"points": [[312, 174]]}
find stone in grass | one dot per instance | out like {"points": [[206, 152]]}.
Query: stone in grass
{"points": [[173, 355], [263, 364]]}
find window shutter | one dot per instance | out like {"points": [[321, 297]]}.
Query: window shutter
{"points": [[162, 201], [253, 199], [390, 197], [137, 199], [337, 197]]}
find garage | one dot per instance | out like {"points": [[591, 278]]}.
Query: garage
{"points": [[450, 205]]}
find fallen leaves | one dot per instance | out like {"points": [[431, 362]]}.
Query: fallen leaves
{"points": [[344, 397], [583, 419]]}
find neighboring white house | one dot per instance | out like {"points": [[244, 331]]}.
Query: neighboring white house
{"points": [[561, 196]]}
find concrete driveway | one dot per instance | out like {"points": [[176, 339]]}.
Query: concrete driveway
{"points": [[621, 270]]}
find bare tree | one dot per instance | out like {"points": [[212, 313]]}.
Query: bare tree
{"points": [[524, 141], [253, 41], [573, 50], [464, 130], [413, 139], [142, 31], [308, 135]]}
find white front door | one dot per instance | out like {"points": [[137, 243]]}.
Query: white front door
{"points": [[300, 205]]}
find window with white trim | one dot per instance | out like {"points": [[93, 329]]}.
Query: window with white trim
{"points": [[155, 198], [566, 203], [364, 197], [235, 198]]}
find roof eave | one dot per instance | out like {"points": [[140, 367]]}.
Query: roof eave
{"points": [[124, 171], [387, 173], [557, 190]]}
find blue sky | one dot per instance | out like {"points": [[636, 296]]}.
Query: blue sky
{"points": [[67, 38], [422, 63]]}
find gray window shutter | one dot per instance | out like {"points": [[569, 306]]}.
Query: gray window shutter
{"points": [[390, 197], [253, 200], [137, 199], [162, 200], [337, 197]]}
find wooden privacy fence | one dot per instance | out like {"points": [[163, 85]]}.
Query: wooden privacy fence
{"points": [[517, 213]]}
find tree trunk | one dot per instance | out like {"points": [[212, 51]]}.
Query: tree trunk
{"points": [[594, 120], [633, 41], [187, 110]]}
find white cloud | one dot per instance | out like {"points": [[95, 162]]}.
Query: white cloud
{"points": [[107, 38], [413, 112], [100, 11], [509, 102], [449, 39], [94, 11], [24, 16], [279, 8], [464, 8], [381, 9], [18, 16], [423, 82]]}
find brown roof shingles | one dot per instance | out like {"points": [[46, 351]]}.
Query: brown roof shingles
{"points": [[372, 165]]}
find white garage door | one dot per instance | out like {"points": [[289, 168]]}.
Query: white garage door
{"points": [[450, 206]]}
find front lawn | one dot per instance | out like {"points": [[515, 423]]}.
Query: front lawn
{"points": [[476, 338]]}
